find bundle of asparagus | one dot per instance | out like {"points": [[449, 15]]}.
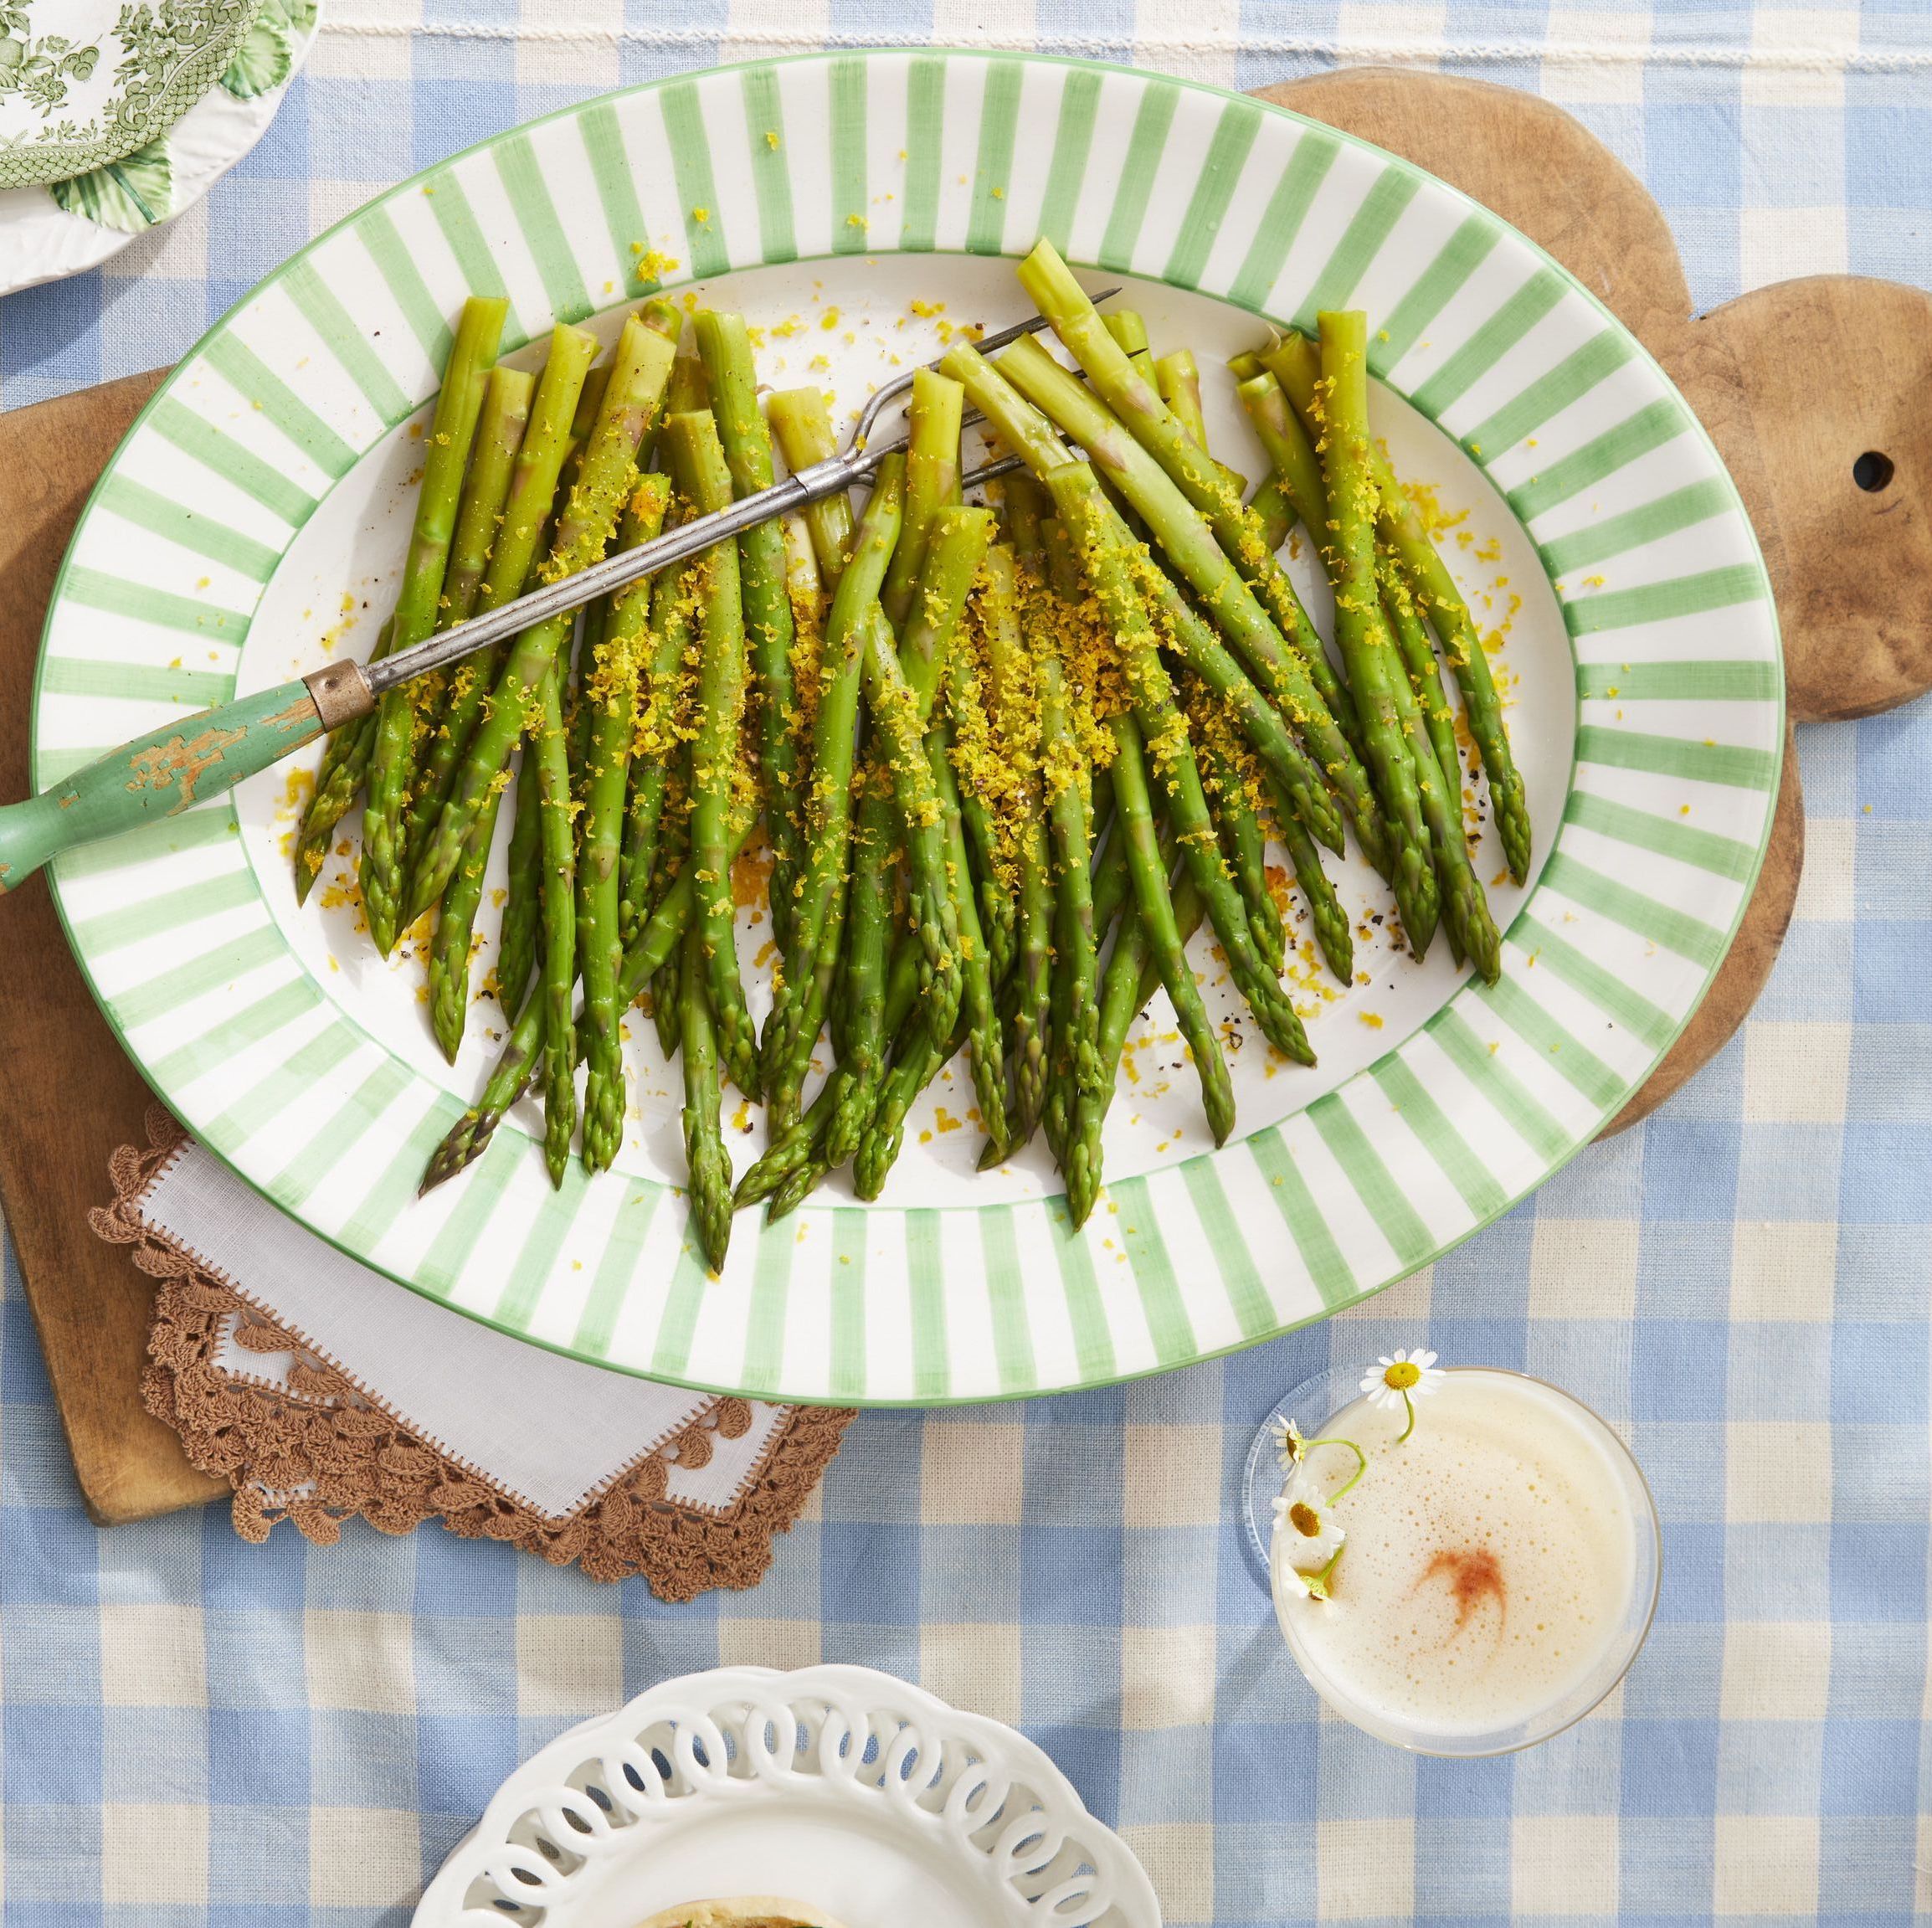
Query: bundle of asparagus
{"points": [[1006, 762]]}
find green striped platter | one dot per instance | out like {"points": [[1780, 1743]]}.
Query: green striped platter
{"points": [[858, 209]]}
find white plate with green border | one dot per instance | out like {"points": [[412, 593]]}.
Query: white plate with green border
{"points": [[857, 208]]}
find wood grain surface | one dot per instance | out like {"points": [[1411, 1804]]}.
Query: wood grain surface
{"points": [[1847, 563], [71, 1095]]}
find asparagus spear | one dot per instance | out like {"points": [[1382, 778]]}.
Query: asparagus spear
{"points": [[1032, 979], [913, 1068], [499, 438], [1076, 1047], [957, 541], [1296, 363], [1291, 454], [450, 944], [1026, 505], [1375, 670], [980, 974], [1111, 884], [1228, 603], [1464, 904], [584, 419], [932, 480], [507, 395], [956, 546], [674, 861], [559, 964], [1418, 655], [705, 1158], [510, 1077], [522, 1051], [1134, 973], [1155, 909], [1273, 520], [964, 740], [829, 809], [1176, 376], [725, 346], [796, 1148], [611, 698], [639, 371], [816, 1000], [345, 764], [513, 551], [1434, 591], [935, 915], [1128, 328], [671, 598], [1332, 936], [657, 943], [1244, 848], [804, 434], [869, 919], [516, 938], [1214, 492], [446, 454], [697, 458], [797, 1158], [1104, 552]]}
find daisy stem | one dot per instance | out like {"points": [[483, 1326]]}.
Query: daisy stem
{"points": [[1361, 1460], [1318, 1583], [1409, 1406]]}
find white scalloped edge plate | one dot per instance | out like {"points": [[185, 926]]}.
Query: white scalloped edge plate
{"points": [[840, 1787]]}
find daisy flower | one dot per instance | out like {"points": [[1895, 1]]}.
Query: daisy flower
{"points": [[1401, 1378], [1291, 1446], [1306, 1585], [1306, 1537]]}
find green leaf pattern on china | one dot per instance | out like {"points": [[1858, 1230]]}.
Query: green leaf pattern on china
{"points": [[129, 194], [137, 192], [262, 61]]}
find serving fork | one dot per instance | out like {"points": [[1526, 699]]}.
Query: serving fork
{"points": [[187, 762]]}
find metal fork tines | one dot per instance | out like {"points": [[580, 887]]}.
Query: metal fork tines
{"points": [[854, 463]]}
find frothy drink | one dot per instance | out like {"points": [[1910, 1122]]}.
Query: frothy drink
{"points": [[1488, 1564]]}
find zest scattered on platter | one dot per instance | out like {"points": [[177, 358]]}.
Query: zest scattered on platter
{"points": [[1002, 781]]}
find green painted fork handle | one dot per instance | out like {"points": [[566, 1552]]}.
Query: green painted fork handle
{"points": [[170, 769]]}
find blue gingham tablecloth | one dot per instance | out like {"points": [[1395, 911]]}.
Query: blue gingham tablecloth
{"points": [[198, 1731]]}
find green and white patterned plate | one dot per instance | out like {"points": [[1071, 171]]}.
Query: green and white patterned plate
{"points": [[855, 207]]}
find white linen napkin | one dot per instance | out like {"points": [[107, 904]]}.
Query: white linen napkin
{"points": [[552, 1432]]}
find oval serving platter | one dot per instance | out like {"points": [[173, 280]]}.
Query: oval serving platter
{"points": [[860, 208]]}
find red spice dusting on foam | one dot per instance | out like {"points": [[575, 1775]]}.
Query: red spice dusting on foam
{"points": [[1474, 1575]]}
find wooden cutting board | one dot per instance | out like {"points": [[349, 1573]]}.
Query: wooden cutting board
{"points": [[71, 1096], [1846, 563]]}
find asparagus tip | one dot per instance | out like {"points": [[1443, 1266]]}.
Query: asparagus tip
{"points": [[458, 1150]]}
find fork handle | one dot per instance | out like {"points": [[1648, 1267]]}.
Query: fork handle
{"points": [[186, 762], [177, 765]]}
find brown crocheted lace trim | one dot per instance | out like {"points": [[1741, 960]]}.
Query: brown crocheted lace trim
{"points": [[322, 1449]]}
